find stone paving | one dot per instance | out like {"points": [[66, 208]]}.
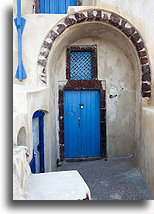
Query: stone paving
{"points": [[114, 179]]}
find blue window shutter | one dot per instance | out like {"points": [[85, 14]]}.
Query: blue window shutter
{"points": [[61, 8], [42, 6], [56, 6], [47, 6]]}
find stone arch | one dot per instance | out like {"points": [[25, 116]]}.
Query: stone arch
{"points": [[108, 18], [22, 137]]}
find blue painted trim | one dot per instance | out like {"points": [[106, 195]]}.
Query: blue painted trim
{"points": [[41, 137], [20, 23], [40, 115], [42, 6], [32, 164]]}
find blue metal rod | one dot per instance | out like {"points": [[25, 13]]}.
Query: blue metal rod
{"points": [[20, 23], [18, 11]]}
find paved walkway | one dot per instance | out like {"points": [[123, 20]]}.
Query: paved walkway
{"points": [[114, 179]]}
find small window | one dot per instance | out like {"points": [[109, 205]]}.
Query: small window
{"points": [[81, 63]]}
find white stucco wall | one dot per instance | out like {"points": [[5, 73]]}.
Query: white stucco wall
{"points": [[28, 100], [140, 16], [139, 13], [36, 28], [21, 171], [144, 149], [116, 70]]}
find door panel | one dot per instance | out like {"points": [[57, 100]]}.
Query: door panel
{"points": [[90, 123], [71, 114], [36, 143], [82, 137]]}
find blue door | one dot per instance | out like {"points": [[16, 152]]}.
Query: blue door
{"points": [[81, 123], [37, 162], [56, 6]]}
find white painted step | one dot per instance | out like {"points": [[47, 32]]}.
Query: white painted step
{"points": [[65, 185]]}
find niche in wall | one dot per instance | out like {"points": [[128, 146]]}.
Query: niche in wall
{"points": [[21, 138]]}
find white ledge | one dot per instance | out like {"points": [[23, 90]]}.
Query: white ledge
{"points": [[65, 185]]}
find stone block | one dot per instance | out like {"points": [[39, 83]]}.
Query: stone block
{"points": [[144, 60], [90, 15], [52, 35], [98, 15], [139, 46], [47, 45], [61, 28], [128, 31], [142, 54], [114, 20], [42, 62], [69, 21], [146, 87], [146, 77], [146, 69], [80, 17]]}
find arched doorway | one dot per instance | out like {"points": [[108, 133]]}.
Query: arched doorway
{"points": [[122, 66]]}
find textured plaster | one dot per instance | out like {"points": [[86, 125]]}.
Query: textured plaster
{"points": [[21, 171], [46, 186], [66, 185], [26, 102], [144, 149], [31, 45], [20, 121], [139, 13], [91, 16], [116, 70], [30, 97]]}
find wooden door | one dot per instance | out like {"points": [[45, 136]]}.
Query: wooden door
{"points": [[81, 123]]}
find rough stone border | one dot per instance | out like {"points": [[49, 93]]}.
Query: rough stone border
{"points": [[36, 6], [104, 17]]}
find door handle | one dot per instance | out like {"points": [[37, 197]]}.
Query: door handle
{"points": [[79, 122]]}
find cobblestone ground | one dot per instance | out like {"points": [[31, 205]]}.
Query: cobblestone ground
{"points": [[114, 179]]}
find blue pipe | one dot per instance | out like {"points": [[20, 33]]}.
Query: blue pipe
{"points": [[20, 23]]}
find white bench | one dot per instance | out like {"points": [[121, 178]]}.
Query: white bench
{"points": [[64, 185]]}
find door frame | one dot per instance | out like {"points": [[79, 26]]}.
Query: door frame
{"points": [[40, 115], [83, 85]]}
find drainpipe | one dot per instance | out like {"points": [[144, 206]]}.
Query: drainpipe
{"points": [[20, 23]]}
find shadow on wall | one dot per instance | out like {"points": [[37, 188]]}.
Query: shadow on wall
{"points": [[22, 137]]}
